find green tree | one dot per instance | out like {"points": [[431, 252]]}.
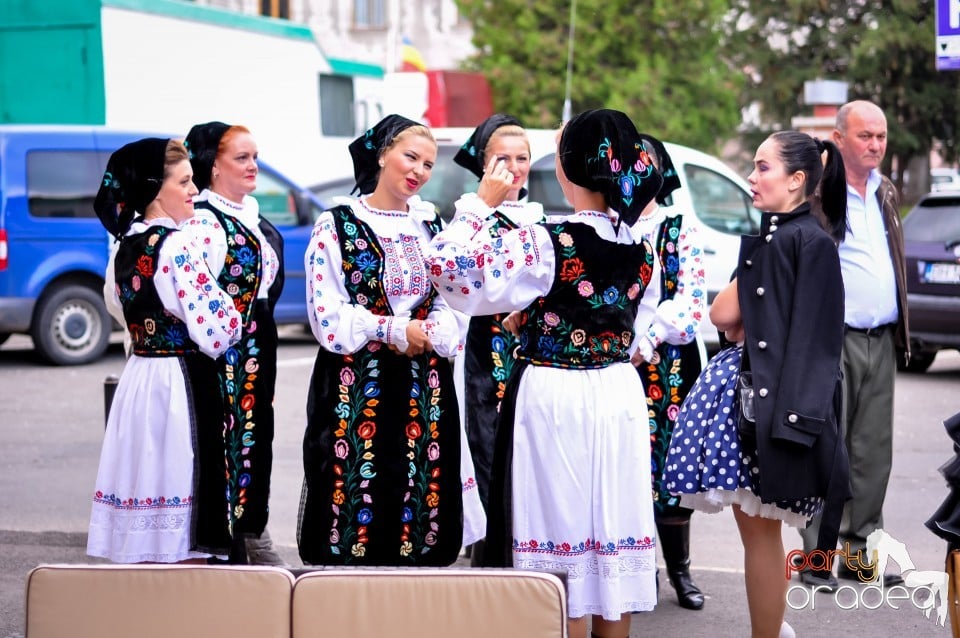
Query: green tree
{"points": [[658, 61], [884, 49]]}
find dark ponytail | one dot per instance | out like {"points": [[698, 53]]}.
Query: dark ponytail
{"points": [[833, 193], [800, 152]]}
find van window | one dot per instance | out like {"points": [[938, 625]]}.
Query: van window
{"points": [[63, 184], [719, 202], [336, 105], [276, 200]]}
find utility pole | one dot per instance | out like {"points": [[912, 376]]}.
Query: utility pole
{"points": [[567, 105]]}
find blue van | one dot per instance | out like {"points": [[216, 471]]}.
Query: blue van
{"points": [[53, 250]]}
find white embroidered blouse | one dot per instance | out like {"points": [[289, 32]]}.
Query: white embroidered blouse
{"points": [[188, 291], [478, 275], [210, 234], [343, 327], [677, 320]]}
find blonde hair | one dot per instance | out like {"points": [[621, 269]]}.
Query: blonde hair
{"points": [[507, 130], [416, 129], [176, 152]]}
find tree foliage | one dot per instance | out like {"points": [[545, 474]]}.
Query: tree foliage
{"points": [[659, 61], [884, 49]]}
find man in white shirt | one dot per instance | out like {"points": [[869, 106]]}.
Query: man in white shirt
{"points": [[874, 279]]}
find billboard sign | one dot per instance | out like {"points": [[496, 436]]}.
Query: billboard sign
{"points": [[948, 35]]}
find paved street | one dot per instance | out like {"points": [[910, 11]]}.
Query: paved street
{"points": [[53, 426]]}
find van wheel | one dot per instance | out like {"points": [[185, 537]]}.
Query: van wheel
{"points": [[72, 326]]}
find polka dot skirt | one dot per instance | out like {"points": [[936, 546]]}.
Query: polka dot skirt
{"points": [[706, 464]]}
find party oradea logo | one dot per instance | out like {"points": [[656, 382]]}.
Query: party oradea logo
{"points": [[923, 590]]}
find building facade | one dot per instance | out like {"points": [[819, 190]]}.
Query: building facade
{"points": [[373, 31]]}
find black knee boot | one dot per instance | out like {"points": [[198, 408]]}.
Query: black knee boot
{"points": [[675, 544]]}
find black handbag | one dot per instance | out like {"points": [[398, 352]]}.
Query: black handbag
{"points": [[747, 420]]}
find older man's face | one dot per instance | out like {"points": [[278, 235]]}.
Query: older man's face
{"points": [[864, 142]]}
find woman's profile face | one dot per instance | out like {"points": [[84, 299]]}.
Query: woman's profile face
{"points": [[407, 166], [514, 151], [175, 198], [772, 188], [236, 168]]}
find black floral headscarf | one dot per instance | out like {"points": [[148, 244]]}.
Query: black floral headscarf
{"points": [[202, 143], [602, 151], [470, 155], [671, 179], [132, 180], [366, 150]]}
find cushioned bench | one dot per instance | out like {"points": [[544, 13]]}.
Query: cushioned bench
{"points": [[158, 601], [429, 603]]}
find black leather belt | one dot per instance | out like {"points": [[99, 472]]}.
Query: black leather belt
{"points": [[871, 332]]}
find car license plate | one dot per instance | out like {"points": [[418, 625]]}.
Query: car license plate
{"points": [[940, 273]]}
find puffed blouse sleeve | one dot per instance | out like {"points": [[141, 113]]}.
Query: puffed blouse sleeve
{"points": [[341, 326], [209, 235], [189, 291], [480, 275], [677, 320]]}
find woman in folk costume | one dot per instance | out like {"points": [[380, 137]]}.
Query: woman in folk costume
{"points": [[487, 359], [573, 450], [382, 448], [243, 250], [159, 494], [669, 357]]}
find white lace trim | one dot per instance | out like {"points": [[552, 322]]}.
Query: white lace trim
{"points": [[130, 536], [587, 579], [715, 500]]}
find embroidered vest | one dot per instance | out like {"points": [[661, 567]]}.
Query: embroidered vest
{"points": [[242, 268], [154, 332], [363, 264], [669, 259], [586, 320]]}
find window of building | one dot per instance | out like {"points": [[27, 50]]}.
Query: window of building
{"points": [[369, 14], [63, 184], [275, 8], [336, 105]]}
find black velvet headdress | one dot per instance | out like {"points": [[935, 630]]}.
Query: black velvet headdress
{"points": [[602, 151], [671, 179], [470, 155], [366, 150], [132, 180], [202, 143]]}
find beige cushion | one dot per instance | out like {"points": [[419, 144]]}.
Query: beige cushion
{"points": [[158, 601], [426, 603]]}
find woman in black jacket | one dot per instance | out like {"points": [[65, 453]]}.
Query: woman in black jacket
{"points": [[786, 308]]}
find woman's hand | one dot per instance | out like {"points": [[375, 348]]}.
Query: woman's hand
{"points": [[513, 322], [496, 182], [417, 340], [734, 334]]}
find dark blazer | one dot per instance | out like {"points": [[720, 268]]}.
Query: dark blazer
{"points": [[889, 201], [790, 291]]}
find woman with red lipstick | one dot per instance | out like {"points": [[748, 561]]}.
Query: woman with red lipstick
{"points": [[771, 447], [382, 445], [245, 252], [159, 493], [487, 359]]}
